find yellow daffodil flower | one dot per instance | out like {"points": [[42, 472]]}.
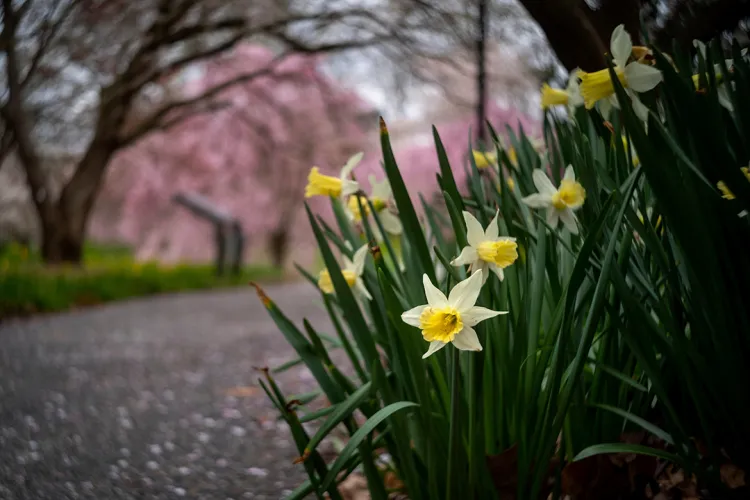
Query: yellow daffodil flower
{"points": [[725, 192], [445, 320], [325, 185], [352, 272], [484, 159], [382, 201], [570, 97], [486, 250], [560, 203], [635, 77]]}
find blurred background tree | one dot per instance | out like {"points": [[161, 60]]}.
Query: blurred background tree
{"points": [[84, 79]]}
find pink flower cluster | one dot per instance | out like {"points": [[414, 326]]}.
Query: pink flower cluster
{"points": [[252, 157]]}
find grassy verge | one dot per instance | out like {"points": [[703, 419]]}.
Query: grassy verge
{"points": [[109, 274]]}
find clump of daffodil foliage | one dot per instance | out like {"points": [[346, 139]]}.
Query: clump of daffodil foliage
{"points": [[593, 288]]}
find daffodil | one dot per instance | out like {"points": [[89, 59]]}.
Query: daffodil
{"points": [[635, 77], [352, 272], [325, 185], [508, 182], [562, 202], [450, 319], [721, 87], [726, 193], [486, 250], [381, 197], [484, 159], [570, 97]]}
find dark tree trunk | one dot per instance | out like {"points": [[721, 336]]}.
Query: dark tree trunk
{"points": [[278, 246], [580, 36], [64, 223], [60, 242], [482, 76]]}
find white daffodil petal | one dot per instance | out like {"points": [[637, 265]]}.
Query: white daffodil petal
{"points": [[380, 189], [435, 297], [480, 265], [724, 98], [570, 175], [700, 46], [640, 109], [359, 260], [359, 285], [352, 162], [492, 231], [537, 200], [467, 340], [348, 265], [474, 231], [348, 187], [498, 272], [435, 346], [391, 223], [411, 317], [465, 294], [641, 77], [568, 219], [477, 314], [542, 182], [552, 217], [620, 45], [467, 256]]}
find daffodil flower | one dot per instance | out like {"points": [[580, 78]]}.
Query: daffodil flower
{"points": [[635, 77], [486, 250], [352, 272], [381, 197], [561, 202], [726, 193], [721, 87], [484, 159], [325, 185], [508, 182], [570, 97], [445, 320]]}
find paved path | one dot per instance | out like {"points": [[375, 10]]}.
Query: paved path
{"points": [[129, 400]]}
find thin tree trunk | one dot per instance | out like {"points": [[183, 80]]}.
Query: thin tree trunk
{"points": [[278, 246], [482, 76], [60, 242], [570, 33], [64, 227]]}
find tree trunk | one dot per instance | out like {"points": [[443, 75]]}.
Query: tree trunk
{"points": [[570, 33], [278, 246], [64, 222], [61, 243], [579, 35], [482, 131]]}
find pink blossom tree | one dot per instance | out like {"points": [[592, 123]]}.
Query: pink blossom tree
{"points": [[416, 155], [251, 157]]}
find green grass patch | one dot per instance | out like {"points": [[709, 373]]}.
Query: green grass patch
{"points": [[109, 273]]}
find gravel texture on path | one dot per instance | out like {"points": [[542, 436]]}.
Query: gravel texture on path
{"points": [[130, 400]]}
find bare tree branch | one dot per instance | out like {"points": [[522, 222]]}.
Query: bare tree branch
{"points": [[203, 109], [47, 35], [154, 120]]}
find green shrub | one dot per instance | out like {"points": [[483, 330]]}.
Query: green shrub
{"points": [[109, 273], [631, 317]]}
